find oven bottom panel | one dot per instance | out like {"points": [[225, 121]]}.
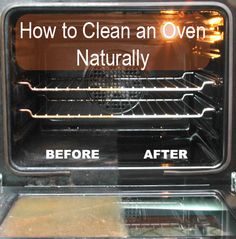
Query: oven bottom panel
{"points": [[115, 149]]}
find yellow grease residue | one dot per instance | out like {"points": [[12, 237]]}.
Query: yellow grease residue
{"points": [[65, 216]]}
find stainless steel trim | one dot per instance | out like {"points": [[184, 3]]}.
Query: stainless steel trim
{"points": [[1, 184]]}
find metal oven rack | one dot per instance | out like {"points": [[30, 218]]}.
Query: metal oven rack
{"points": [[188, 82], [145, 108], [189, 106]]}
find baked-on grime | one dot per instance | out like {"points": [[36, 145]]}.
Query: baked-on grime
{"points": [[64, 216]]}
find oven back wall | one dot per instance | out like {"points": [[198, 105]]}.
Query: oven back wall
{"points": [[115, 176]]}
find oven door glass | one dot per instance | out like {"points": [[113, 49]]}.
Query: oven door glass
{"points": [[115, 215]]}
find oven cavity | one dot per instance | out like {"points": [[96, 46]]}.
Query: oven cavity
{"points": [[120, 116]]}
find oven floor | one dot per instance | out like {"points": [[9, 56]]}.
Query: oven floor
{"points": [[115, 149], [33, 151]]}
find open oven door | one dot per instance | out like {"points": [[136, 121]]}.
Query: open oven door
{"points": [[93, 212]]}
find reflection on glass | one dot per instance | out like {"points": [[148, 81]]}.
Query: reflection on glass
{"points": [[116, 216], [186, 216]]}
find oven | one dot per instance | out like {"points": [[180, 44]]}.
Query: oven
{"points": [[117, 119]]}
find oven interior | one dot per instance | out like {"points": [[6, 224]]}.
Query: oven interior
{"points": [[122, 111]]}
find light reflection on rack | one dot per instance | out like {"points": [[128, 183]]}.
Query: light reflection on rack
{"points": [[155, 84], [145, 109]]}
